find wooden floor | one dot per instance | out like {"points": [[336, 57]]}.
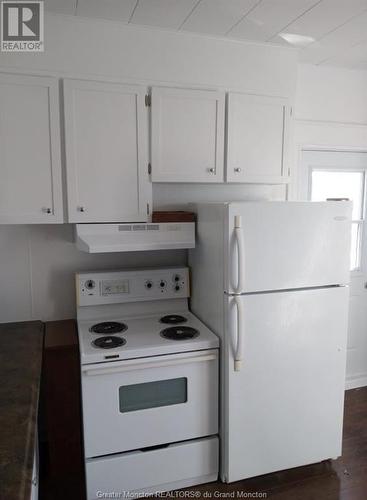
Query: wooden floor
{"points": [[344, 479]]}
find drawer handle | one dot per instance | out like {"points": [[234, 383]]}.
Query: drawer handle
{"points": [[211, 170], [157, 447], [237, 170], [81, 209]]}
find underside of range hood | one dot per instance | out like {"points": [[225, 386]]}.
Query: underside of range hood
{"points": [[101, 238]]}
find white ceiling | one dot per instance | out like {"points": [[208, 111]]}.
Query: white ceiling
{"points": [[333, 32]]}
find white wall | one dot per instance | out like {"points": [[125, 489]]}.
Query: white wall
{"points": [[333, 95], [37, 263], [330, 111]]}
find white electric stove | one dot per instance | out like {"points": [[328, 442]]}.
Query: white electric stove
{"points": [[149, 383], [128, 337]]}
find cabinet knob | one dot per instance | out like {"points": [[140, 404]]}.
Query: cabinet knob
{"points": [[211, 170], [81, 209], [46, 210], [238, 170]]}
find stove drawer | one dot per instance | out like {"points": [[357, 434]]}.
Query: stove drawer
{"points": [[134, 404], [176, 466]]}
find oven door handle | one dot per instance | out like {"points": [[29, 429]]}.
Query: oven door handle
{"points": [[130, 365]]}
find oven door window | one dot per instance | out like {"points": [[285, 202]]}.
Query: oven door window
{"points": [[152, 394]]}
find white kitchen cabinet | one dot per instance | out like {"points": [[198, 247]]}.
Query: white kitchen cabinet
{"points": [[30, 165], [106, 152], [187, 135], [257, 139]]}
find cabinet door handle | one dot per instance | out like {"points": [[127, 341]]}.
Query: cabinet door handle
{"points": [[46, 210], [211, 170], [238, 170], [81, 209]]}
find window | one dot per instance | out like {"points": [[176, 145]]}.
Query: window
{"points": [[153, 394], [328, 183]]}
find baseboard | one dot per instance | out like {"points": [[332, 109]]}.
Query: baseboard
{"points": [[356, 381]]}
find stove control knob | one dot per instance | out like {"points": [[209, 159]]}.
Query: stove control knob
{"points": [[177, 288], [90, 284], [149, 285], [176, 278], [162, 284]]}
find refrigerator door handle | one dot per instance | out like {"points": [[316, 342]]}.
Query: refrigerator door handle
{"points": [[240, 240], [240, 334]]}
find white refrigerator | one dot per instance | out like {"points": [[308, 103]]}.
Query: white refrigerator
{"points": [[271, 279]]}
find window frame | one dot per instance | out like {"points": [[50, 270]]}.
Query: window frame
{"points": [[358, 271]]}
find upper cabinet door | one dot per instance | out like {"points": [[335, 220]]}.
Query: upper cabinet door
{"points": [[187, 135], [106, 152], [30, 165], [257, 139]]}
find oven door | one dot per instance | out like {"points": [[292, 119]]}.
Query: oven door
{"points": [[139, 403]]}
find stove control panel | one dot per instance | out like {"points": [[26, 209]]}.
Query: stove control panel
{"points": [[132, 286]]}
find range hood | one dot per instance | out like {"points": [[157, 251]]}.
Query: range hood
{"points": [[98, 238]]}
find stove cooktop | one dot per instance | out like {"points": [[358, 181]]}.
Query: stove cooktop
{"points": [[143, 336]]}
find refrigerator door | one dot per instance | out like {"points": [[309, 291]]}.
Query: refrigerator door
{"points": [[286, 245], [282, 405]]}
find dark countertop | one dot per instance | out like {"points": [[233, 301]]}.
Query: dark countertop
{"points": [[21, 347]]}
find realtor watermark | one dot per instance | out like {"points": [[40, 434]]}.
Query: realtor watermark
{"points": [[22, 26], [183, 494]]}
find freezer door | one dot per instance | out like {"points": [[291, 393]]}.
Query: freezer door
{"points": [[283, 407], [286, 245]]}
